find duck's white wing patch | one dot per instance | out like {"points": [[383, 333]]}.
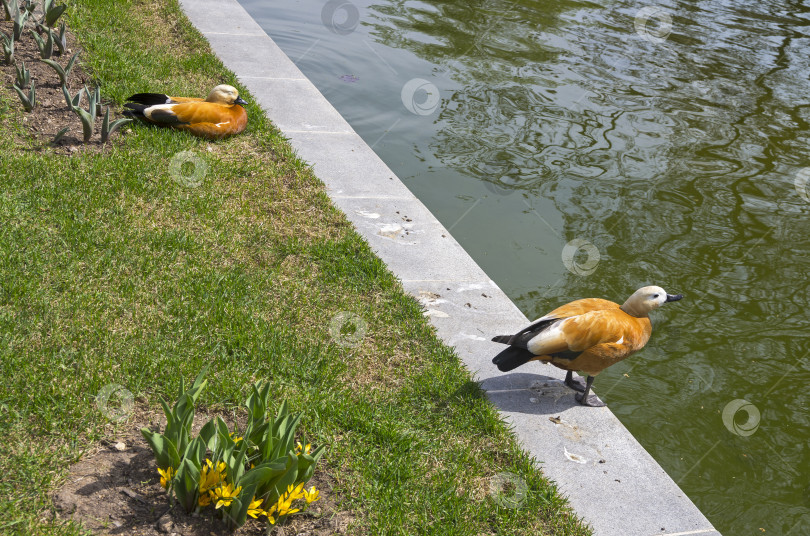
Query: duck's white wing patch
{"points": [[550, 340], [162, 113]]}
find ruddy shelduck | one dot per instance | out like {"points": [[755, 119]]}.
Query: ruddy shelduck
{"points": [[219, 115], [586, 335]]}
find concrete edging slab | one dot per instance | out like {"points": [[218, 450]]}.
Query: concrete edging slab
{"points": [[610, 480]]}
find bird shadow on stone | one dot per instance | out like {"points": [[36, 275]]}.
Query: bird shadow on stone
{"points": [[533, 394]]}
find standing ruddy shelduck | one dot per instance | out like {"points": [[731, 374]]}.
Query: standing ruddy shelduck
{"points": [[221, 114], [585, 335]]}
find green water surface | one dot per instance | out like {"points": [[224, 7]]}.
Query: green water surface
{"points": [[579, 149]]}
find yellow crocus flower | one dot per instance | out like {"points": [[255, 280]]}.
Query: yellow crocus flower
{"points": [[270, 519], [295, 492], [284, 505], [224, 494], [278, 511], [254, 510], [210, 477], [305, 449], [311, 495], [166, 476]]}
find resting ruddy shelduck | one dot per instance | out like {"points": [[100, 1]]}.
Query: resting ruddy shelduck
{"points": [[221, 114], [585, 335]]}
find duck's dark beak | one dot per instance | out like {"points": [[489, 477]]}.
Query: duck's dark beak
{"points": [[241, 101], [674, 297]]}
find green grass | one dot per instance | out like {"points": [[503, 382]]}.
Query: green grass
{"points": [[113, 272]]}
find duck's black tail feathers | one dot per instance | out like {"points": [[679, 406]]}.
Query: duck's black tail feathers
{"points": [[512, 357], [150, 99], [139, 102], [502, 338], [134, 110]]}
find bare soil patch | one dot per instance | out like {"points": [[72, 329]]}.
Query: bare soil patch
{"points": [[51, 113], [116, 490]]}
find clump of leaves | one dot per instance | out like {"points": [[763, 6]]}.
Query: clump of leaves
{"points": [[63, 72], [88, 117], [108, 128], [45, 46], [11, 8], [23, 76], [61, 39], [87, 122], [74, 100], [52, 12], [29, 101], [177, 435], [260, 473], [20, 18], [60, 135], [8, 47], [94, 99]]}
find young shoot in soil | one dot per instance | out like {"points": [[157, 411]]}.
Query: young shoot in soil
{"points": [[29, 101], [63, 72]]}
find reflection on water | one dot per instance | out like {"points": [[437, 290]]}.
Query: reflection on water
{"points": [[673, 149]]}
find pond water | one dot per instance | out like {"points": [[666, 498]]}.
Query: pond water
{"points": [[577, 150]]}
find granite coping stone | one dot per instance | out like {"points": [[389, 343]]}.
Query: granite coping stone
{"points": [[358, 173], [294, 105], [221, 16], [257, 55], [608, 477]]}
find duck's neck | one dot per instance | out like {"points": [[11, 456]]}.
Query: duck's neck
{"points": [[633, 308]]}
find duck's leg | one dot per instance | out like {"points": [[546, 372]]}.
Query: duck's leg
{"points": [[586, 400], [574, 383]]}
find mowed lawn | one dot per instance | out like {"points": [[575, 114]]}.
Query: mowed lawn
{"points": [[112, 271]]}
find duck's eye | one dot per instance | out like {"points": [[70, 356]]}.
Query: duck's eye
{"points": [[655, 296]]}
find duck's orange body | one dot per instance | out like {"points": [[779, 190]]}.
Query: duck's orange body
{"points": [[598, 330], [218, 116], [586, 335]]}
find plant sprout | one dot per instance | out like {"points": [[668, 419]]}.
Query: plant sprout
{"points": [[87, 122], [59, 135], [94, 99], [8, 47], [23, 76], [20, 18], [12, 8], [45, 46], [52, 12], [63, 72], [61, 39], [72, 101], [108, 128], [30, 100]]}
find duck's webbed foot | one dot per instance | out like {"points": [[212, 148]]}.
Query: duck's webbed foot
{"points": [[592, 400], [577, 384]]}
